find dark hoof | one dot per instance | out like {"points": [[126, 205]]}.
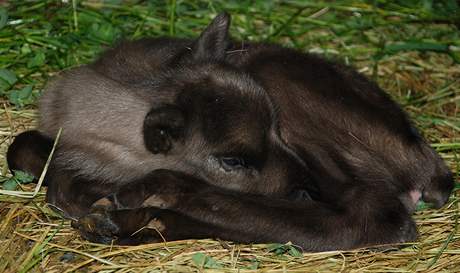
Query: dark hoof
{"points": [[97, 227]]}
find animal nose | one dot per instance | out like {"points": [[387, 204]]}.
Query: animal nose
{"points": [[436, 198], [438, 191]]}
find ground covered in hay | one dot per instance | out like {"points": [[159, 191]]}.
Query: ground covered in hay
{"points": [[411, 48]]}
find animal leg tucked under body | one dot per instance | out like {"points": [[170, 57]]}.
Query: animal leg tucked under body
{"points": [[178, 212]]}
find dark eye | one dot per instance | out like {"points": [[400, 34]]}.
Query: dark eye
{"points": [[231, 163]]}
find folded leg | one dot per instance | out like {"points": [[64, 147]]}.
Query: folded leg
{"points": [[206, 212], [181, 207]]}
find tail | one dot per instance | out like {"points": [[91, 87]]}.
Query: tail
{"points": [[29, 152]]}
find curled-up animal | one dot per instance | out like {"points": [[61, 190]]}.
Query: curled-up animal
{"points": [[175, 138]]}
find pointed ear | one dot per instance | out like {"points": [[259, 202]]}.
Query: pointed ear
{"points": [[213, 41]]}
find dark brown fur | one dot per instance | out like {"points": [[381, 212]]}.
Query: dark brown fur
{"points": [[248, 135]]}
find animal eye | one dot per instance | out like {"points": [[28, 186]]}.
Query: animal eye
{"points": [[231, 163]]}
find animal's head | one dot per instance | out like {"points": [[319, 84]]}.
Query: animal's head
{"points": [[396, 152], [381, 146], [371, 141], [421, 168], [221, 125], [407, 162]]}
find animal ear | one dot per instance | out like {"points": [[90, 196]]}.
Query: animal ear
{"points": [[213, 41], [163, 126]]}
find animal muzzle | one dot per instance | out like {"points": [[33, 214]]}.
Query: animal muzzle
{"points": [[437, 192]]}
